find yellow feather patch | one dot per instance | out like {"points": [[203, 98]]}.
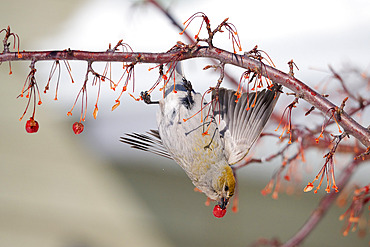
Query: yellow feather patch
{"points": [[228, 178]]}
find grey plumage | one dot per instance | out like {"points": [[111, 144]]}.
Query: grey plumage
{"points": [[151, 143], [205, 139], [239, 128]]}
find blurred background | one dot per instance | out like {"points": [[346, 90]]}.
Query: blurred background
{"points": [[59, 189]]}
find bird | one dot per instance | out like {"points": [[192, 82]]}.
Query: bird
{"points": [[206, 139]]}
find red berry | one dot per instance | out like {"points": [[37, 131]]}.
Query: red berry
{"points": [[78, 128], [32, 126], [218, 211]]}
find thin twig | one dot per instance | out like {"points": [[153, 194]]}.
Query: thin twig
{"points": [[324, 205], [230, 78], [340, 79]]}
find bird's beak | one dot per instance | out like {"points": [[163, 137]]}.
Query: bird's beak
{"points": [[223, 203]]}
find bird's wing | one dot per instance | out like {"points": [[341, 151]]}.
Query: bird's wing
{"points": [[239, 127], [151, 143]]}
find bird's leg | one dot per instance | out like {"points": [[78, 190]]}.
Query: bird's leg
{"points": [[146, 98]]}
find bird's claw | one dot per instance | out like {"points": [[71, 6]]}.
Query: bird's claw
{"points": [[146, 98]]}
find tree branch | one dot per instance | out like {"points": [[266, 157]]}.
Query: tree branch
{"points": [[193, 51], [322, 208]]}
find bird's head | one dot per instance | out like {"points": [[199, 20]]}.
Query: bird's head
{"points": [[224, 185], [220, 185]]}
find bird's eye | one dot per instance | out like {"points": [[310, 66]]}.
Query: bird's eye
{"points": [[226, 188]]}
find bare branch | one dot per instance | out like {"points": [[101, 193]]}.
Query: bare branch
{"points": [[305, 92], [322, 208], [253, 62]]}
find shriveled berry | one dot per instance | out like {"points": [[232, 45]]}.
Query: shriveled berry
{"points": [[218, 211], [78, 128], [32, 126]]}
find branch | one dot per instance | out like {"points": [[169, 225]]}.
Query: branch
{"points": [[171, 18], [322, 208], [186, 52], [251, 61]]}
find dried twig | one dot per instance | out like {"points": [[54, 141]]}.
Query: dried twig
{"points": [[322, 208]]}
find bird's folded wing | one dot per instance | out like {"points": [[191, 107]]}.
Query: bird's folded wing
{"points": [[240, 123], [151, 143]]}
